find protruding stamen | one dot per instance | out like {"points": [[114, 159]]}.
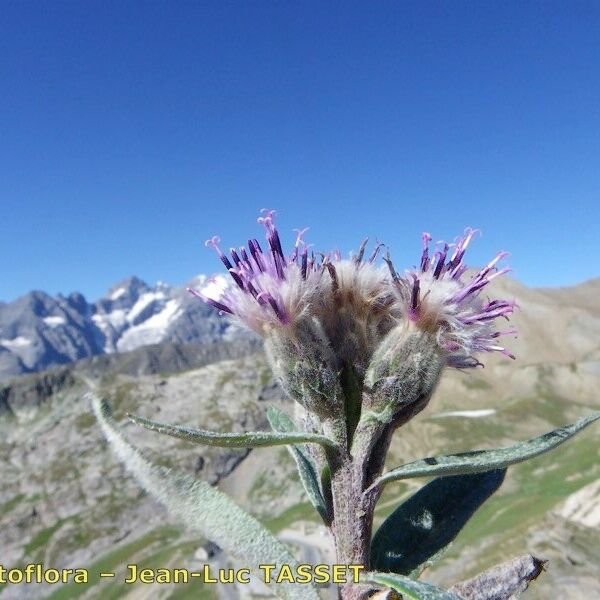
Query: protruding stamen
{"points": [[257, 254], [266, 298], [214, 303], [361, 251], [278, 262], [251, 289], [388, 260], [441, 257], [278, 310], [459, 272], [492, 264], [425, 256], [267, 220], [246, 259], [375, 253], [304, 264], [213, 242], [333, 274], [275, 243], [414, 299], [511, 331], [235, 276], [299, 234]]}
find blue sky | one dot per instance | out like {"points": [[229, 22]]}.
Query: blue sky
{"points": [[132, 131]]}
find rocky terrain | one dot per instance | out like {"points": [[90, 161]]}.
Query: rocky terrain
{"points": [[67, 502]]}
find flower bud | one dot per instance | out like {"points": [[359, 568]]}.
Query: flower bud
{"points": [[404, 371], [306, 367]]}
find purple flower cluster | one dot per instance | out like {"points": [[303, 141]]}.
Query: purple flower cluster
{"points": [[270, 289], [267, 286], [435, 297]]}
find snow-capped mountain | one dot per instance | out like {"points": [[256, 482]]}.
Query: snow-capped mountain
{"points": [[38, 330]]}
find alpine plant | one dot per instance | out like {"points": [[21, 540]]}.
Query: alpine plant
{"points": [[360, 348]]}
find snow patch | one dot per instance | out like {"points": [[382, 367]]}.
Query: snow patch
{"points": [[115, 319], [117, 293], [151, 331], [54, 320], [16, 343], [143, 301], [215, 286], [110, 324], [197, 281], [469, 414]]}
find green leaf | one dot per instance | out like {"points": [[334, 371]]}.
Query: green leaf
{"points": [[309, 479], [429, 520], [203, 508], [254, 439], [306, 469], [479, 461], [409, 588], [279, 420]]}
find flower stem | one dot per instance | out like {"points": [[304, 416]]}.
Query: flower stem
{"points": [[352, 521]]}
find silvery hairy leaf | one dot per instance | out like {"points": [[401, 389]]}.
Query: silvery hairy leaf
{"points": [[252, 439], [429, 520], [306, 469], [479, 461], [203, 508]]}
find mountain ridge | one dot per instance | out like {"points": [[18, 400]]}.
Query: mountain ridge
{"points": [[39, 331]]}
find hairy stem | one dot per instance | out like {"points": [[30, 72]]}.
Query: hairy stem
{"points": [[352, 521], [352, 509]]}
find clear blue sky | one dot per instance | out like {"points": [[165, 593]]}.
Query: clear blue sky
{"points": [[132, 131]]}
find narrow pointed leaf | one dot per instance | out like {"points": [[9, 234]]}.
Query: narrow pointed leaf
{"points": [[253, 439], [429, 520], [479, 461], [310, 482], [308, 473], [409, 588], [203, 508]]}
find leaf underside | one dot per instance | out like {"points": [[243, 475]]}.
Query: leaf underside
{"points": [[410, 588], [254, 439], [203, 508], [430, 519], [281, 422], [479, 461]]}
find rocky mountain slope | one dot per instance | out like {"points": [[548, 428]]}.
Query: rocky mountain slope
{"points": [[67, 502], [38, 331]]}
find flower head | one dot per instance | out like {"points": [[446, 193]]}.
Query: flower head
{"points": [[436, 298], [268, 288], [358, 307]]}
